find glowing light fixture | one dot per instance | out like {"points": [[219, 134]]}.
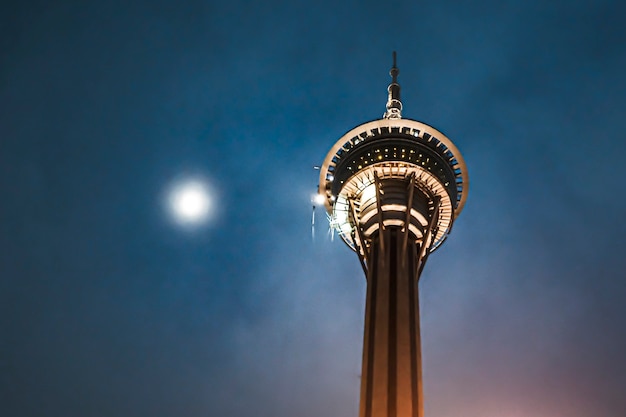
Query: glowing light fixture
{"points": [[318, 199]]}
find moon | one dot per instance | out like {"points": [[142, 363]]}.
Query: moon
{"points": [[190, 202]]}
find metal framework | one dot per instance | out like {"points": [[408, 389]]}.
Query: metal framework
{"points": [[393, 149]]}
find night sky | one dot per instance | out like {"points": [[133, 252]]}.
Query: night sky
{"points": [[108, 307]]}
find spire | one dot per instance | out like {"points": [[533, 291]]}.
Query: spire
{"points": [[394, 106]]}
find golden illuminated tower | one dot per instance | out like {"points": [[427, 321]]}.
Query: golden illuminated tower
{"points": [[393, 188]]}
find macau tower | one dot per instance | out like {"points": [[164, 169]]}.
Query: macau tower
{"points": [[393, 188]]}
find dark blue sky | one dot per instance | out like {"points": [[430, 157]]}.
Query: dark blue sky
{"points": [[108, 308]]}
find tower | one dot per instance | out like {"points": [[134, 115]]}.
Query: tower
{"points": [[393, 188]]}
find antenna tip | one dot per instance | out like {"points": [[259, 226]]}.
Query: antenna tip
{"points": [[394, 70]]}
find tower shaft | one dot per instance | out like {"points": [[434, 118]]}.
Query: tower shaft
{"points": [[391, 383]]}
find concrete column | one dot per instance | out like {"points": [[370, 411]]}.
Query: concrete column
{"points": [[391, 382]]}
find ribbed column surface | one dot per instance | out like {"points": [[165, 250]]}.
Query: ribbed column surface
{"points": [[391, 384]]}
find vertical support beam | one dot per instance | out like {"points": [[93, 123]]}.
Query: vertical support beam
{"points": [[358, 238], [417, 387], [381, 224], [427, 240], [407, 219]]}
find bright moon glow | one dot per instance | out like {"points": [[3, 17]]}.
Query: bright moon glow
{"points": [[190, 202]]}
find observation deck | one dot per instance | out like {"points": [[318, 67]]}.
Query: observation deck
{"points": [[393, 172]]}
